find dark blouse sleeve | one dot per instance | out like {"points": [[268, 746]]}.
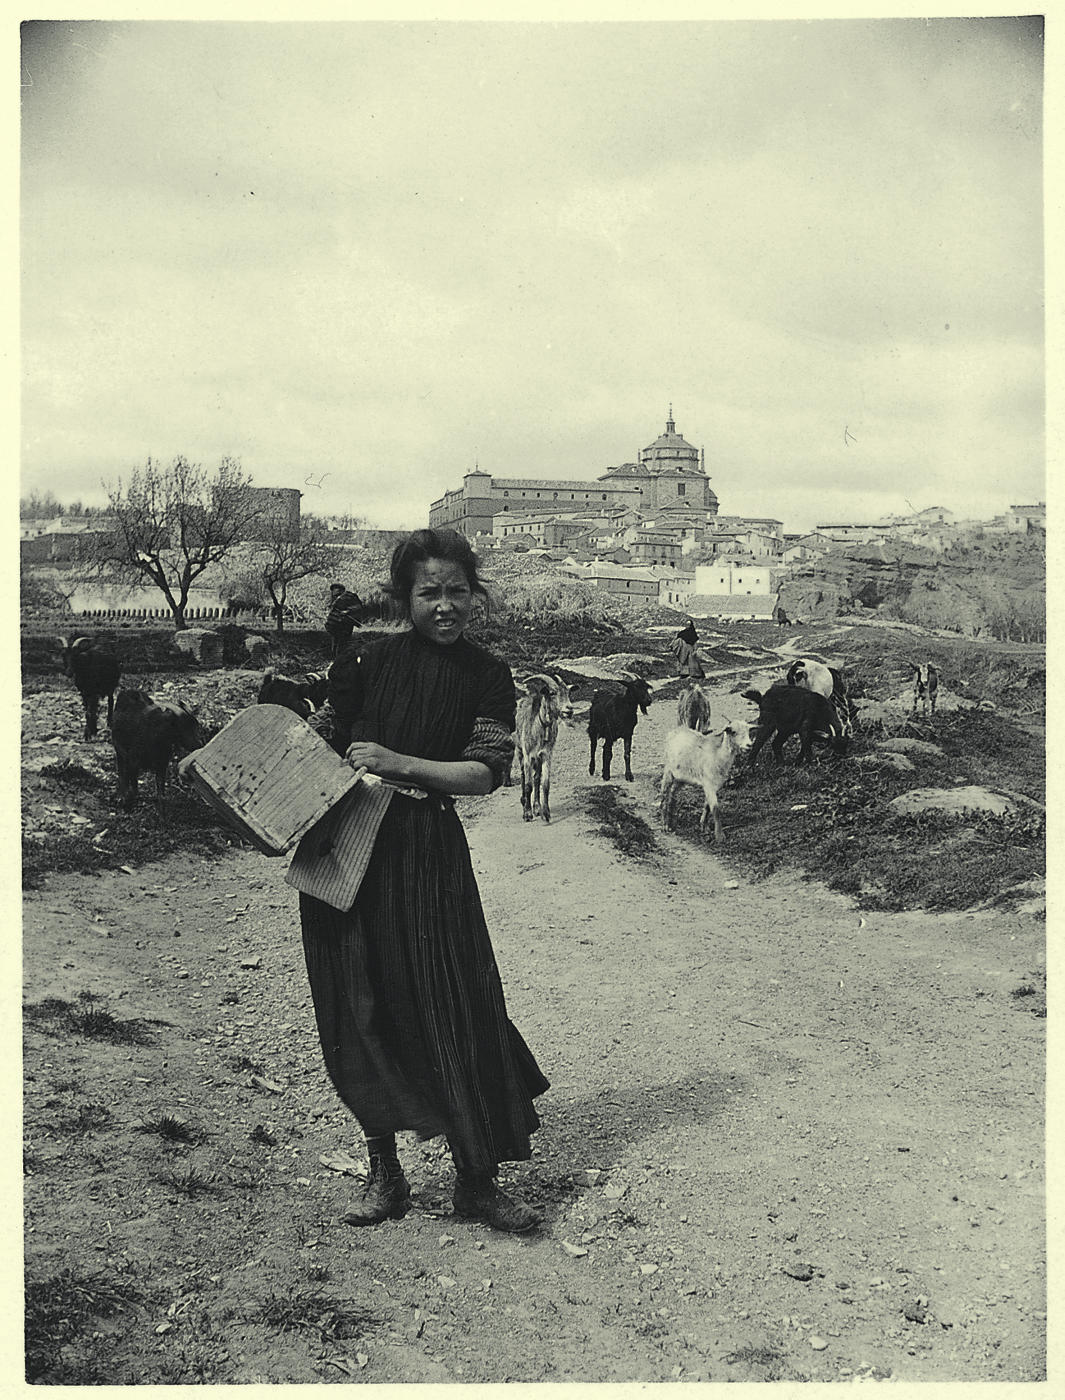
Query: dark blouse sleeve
{"points": [[491, 741]]}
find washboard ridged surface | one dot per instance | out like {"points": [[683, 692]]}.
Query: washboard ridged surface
{"points": [[270, 775]]}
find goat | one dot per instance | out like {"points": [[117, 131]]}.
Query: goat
{"points": [[925, 686], [786, 710], [705, 760], [612, 717], [827, 681], [783, 620], [539, 710], [693, 708], [96, 673], [297, 696], [146, 734], [812, 675], [316, 687]]}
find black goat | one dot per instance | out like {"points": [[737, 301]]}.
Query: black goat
{"points": [[925, 686], [613, 717], [147, 734], [785, 710], [302, 697], [811, 674], [96, 673]]}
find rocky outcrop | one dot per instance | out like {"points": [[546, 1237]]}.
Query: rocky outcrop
{"points": [[960, 801]]}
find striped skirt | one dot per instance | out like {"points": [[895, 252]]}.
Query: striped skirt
{"points": [[410, 1009]]}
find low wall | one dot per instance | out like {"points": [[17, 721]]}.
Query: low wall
{"points": [[142, 647]]}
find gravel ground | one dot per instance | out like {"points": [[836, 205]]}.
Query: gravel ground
{"points": [[784, 1140]]}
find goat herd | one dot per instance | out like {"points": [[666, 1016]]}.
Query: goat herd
{"points": [[812, 702]]}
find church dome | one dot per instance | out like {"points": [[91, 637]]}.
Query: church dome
{"points": [[670, 452]]}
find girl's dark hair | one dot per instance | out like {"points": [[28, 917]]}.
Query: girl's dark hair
{"points": [[422, 545]]}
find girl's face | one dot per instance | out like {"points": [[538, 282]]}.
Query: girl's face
{"points": [[441, 600]]}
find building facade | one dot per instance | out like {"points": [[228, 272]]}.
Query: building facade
{"points": [[728, 576], [668, 473]]}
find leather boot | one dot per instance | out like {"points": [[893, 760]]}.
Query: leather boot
{"points": [[386, 1197], [478, 1198]]}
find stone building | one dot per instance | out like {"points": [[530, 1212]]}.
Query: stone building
{"points": [[274, 506], [669, 473]]}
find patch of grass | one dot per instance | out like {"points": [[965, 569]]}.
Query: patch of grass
{"points": [[63, 1310], [56, 1017], [991, 750], [1031, 996], [181, 822], [68, 772], [170, 1129], [831, 820], [629, 832], [333, 1319], [86, 1118]]}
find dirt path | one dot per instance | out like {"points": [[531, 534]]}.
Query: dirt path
{"points": [[783, 1141]]}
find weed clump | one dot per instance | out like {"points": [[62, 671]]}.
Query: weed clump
{"points": [[333, 1319], [68, 772], [170, 1129], [55, 1016], [64, 1308], [86, 1118], [190, 1181]]}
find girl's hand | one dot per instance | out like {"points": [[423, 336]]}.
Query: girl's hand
{"points": [[376, 759]]}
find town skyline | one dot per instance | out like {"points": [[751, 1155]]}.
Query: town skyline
{"points": [[365, 257]]}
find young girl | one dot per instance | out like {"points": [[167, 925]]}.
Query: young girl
{"points": [[410, 1009]]}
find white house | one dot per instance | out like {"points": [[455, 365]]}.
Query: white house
{"points": [[724, 577]]}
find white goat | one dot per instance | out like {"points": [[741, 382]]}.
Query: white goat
{"points": [[704, 760], [545, 702], [811, 675], [693, 708]]}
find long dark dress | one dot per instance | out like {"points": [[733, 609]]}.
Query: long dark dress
{"points": [[410, 1009]]}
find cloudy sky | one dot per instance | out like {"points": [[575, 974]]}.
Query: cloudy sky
{"points": [[363, 257]]}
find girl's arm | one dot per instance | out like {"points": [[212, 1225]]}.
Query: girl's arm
{"points": [[462, 778]]}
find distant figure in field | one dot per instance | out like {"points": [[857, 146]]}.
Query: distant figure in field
{"points": [[345, 614], [683, 648]]}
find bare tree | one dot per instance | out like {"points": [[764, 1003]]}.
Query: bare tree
{"points": [[172, 523], [282, 559]]}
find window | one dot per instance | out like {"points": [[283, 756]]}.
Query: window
{"points": [[680, 488], [506, 493]]}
